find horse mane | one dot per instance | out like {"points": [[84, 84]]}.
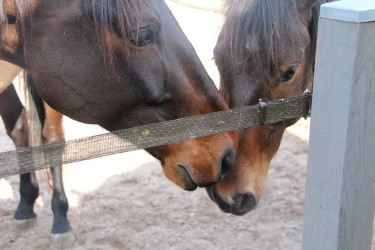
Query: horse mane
{"points": [[250, 26], [119, 16], [315, 19]]}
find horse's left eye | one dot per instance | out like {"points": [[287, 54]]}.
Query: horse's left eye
{"points": [[143, 37], [288, 75]]}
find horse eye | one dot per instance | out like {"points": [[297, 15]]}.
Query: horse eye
{"points": [[143, 37], [287, 75]]}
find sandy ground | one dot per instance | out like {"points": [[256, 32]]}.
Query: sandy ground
{"points": [[125, 201]]}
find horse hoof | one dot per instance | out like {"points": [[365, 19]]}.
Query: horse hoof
{"points": [[62, 241], [26, 224]]}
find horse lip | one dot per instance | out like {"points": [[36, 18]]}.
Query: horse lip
{"points": [[190, 184], [225, 207], [209, 192], [206, 185]]}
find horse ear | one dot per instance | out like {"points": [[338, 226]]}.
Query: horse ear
{"points": [[304, 5]]}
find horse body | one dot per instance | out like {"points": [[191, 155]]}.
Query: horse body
{"points": [[119, 64], [266, 51]]}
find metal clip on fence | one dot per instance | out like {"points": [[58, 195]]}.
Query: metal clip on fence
{"points": [[262, 112]]}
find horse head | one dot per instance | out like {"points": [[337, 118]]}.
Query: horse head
{"points": [[265, 51], [120, 64]]}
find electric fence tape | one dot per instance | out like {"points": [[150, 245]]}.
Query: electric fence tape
{"points": [[24, 160]]}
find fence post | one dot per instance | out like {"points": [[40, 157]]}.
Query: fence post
{"points": [[340, 188]]}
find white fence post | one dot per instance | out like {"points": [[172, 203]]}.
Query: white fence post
{"points": [[340, 189]]}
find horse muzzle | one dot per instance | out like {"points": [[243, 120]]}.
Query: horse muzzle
{"points": [[190, 176]]}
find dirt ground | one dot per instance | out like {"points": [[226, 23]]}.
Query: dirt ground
{"points": [[125, 201]]}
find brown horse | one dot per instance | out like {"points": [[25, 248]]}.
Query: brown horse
{"points": [[266, 50], [118, 64]]}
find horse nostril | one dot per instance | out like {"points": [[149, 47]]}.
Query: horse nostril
{"points": [[189, 183], [226, 162], [243, 203]]}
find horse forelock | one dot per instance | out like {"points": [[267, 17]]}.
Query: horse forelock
{"points": [[115, 16], [259, 29]]}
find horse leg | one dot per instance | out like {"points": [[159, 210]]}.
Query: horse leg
{"points": [[61, 233], [14, 118], [29, 191]]}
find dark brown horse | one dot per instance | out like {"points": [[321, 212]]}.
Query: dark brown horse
{"points": [[266, 50], [118, 64]]}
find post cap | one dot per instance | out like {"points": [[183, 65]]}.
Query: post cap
{"points": [[355, 11]]}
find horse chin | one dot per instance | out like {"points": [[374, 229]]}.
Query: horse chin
{"points": [[241, 204]]}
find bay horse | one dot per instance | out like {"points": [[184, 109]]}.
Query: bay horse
{"points": [[265, 50], [118, 64]]}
